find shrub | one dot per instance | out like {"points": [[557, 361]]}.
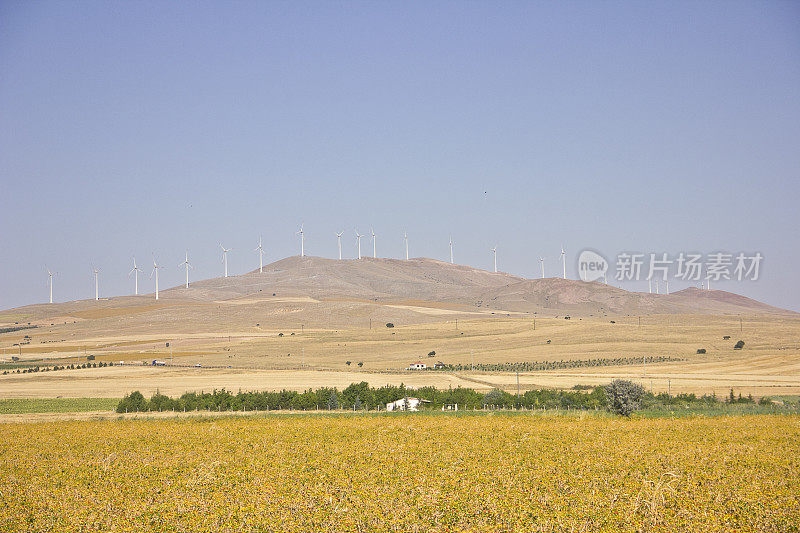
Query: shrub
{"points": [[623, 396], [361, 363], [701, 350], [739, 345], [389, 325], [348, 363], [431, 353]]}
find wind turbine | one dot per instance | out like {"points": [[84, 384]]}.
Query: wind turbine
{"points": [[225, 257], [405, 237], [666, 289], [188, 266], [96, 284], [649, 286], [135, 270], [51, 274], [564, 260], [451, 250], [260, 251], [302, 241], [358, 240], [541, 260], [657, 286], [339, 240], [373, 243], [494, 251], [155, 272]]}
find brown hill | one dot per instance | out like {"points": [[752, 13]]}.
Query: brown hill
{"points": [[312, 290]]}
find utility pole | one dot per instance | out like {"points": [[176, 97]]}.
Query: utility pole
{"points": [[740, 323], [471, 356], [669, 387], [517, 385], [534, 323], [640, 321]]}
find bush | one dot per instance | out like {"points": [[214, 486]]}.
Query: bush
{"points": [[739, 345], [389, 325], [623, 396], [701, 350], [431, 353]]}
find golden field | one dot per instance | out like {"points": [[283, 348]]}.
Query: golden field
{"points": [[260, 359], [429, 472]]}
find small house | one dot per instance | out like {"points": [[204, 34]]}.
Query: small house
{"points": [[419, 365], [406, 404]]}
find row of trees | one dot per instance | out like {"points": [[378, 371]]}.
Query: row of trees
{"points": [[621, 396], [555, 365], [57, 367]]}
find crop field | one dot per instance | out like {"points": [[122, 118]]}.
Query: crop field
{"points": [[408, 472]]}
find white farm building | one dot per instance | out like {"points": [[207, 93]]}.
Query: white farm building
{"points": [[406, 404]]}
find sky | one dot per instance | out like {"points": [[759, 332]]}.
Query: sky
{"points": [[149, 128]]}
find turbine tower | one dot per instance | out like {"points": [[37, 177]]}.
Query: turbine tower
{"points": [[155, 272], [302, 241], [260, 251], [51, 274], [541, 260], [564, 260], [666, 289], [188, 266], [405, 237], [358, 240], [225, 257], [339, 241], [96, 284], [657, 286], [649, 286], [135, 270], [451, 250], [373, 243], [494, 251]]}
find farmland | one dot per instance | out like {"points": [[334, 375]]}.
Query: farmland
{"points": [[520, 472]]}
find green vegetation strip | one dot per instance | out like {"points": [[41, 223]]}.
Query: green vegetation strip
{"points": [[56, 405]]}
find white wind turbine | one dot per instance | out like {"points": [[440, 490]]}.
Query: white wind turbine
{"points": [[260, 251], [135, 270], [494, 251], [358, 240], [541, 260], [339, 241], [51, 274], [155, 272], [666, 289], [188, 266], [451, 250], [405, 237], [96, 284], [649, 285], [225, 257], [373, 243], [656, 285], [564, 260], [302, 241]]}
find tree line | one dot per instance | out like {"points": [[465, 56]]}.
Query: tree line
{"points": [[621, 396]]}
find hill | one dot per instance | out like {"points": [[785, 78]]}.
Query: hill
{"points": [[315, 290]]}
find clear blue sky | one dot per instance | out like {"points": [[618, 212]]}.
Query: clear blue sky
{"points": [[128, 128]]}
